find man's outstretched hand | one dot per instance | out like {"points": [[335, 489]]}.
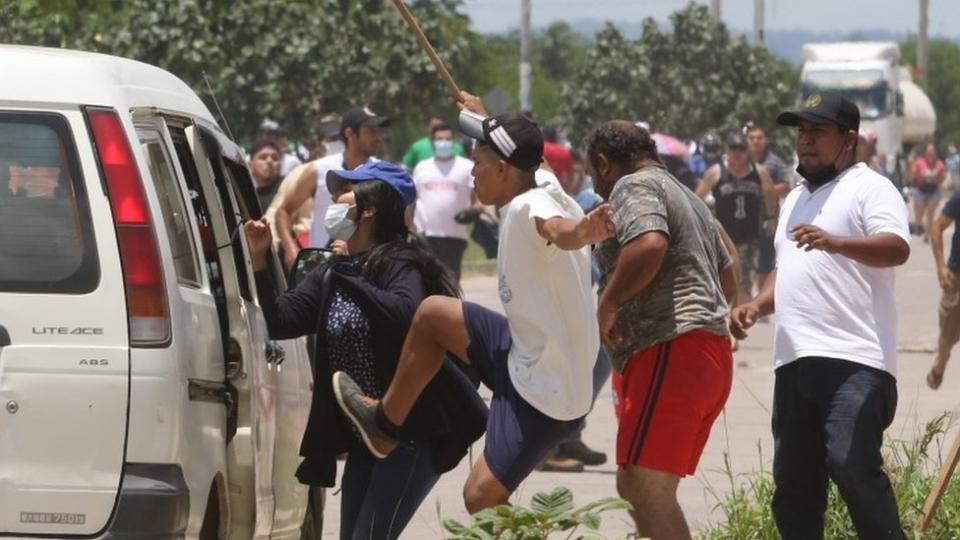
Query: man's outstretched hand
{"points": [[258, 241], [471, 103], [596, 226]]}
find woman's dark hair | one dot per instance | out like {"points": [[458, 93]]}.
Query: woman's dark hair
{"points": [[621, 142], [261, 144], [393, 241]]}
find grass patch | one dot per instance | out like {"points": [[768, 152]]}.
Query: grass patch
{"points": [[912, 467]]}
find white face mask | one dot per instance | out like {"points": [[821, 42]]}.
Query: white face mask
{"points": [[335, 147], [443, 149], [338, 225]]}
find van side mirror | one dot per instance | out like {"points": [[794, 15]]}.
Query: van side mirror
{"points": [[307, 260], [899, 104]]}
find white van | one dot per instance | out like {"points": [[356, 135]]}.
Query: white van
{"points": [[139, 392]]}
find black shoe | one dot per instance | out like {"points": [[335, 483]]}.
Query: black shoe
{"points": [[581, 452], [558, 463], [362, 411]]}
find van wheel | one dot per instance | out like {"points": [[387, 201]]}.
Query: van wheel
{"points": [[210, 529], [312, 528]]}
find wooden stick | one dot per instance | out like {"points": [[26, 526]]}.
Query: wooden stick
{"points": [[943, 480], [428, 48]]}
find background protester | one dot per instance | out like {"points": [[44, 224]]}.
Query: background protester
{"points": [[560, 160], [444, 190], [947, 271], [745, 204], [929, 174], [273, 131], [362, 131], [265, 170], [422, 148]]}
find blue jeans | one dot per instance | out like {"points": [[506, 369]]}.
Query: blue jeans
{"points": [[828, 421], [380, 496]]}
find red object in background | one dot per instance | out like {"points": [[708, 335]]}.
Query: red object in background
{"points": [[559, 158]]}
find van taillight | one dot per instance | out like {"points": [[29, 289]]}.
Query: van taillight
{"points": [[147, 308]]}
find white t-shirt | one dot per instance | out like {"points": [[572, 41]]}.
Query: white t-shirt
{"points": [[322, 198], [288, 162], [443, 189], [827, 304], [550, 305]]}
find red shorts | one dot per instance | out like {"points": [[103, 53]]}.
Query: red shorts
{"points": [[668, 398]]}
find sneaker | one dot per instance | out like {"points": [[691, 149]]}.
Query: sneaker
{"points": [[579, 451], [557, 463], [362, 411]]}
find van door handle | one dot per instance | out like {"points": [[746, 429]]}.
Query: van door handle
{"points": [[4, 336], [275, 354]]}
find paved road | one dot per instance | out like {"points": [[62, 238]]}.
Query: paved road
{"points": [[741, 435]]}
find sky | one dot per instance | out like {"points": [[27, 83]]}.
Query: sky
{"points": [[814, 15]]}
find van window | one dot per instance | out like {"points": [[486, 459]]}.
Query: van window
{"points": [[47, 243], [173, 208]]}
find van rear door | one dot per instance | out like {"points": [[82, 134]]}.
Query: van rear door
{"points": [[64, 337]]}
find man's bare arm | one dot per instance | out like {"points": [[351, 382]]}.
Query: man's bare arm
{"points": [[729, 275], [304, 189], [709, 180], [571, 234], [770, 198]]}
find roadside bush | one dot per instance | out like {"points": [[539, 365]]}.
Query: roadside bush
{"points": [[912, 466], [548, 513]]}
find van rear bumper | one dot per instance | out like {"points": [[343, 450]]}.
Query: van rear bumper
{"points": [[154, 504]]}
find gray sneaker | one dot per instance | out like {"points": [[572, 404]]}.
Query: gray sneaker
{"points": [[362, 411]]}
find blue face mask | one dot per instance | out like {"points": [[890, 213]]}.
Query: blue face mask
{"points": [[443, 149], [338, 225]]}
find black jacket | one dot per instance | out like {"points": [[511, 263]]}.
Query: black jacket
{"points": [[449, 415]]}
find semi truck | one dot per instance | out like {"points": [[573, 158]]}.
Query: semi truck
{"points": [[869, 74]]}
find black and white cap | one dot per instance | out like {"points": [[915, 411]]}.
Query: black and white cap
{"points": [[514, 137]]}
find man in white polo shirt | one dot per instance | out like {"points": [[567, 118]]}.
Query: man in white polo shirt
{"points": [[840, 235]]}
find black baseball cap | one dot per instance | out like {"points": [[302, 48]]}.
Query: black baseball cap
{"points": [[516, 138], [824, 108], [735, 141], [362, 116]]}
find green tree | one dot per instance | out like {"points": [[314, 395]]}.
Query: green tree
{"points": [[942, 85], [687, 82], [290, 60]]}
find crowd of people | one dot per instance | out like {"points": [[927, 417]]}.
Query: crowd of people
{"points": [[628, 256]]}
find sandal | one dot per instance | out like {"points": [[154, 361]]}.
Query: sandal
{"points": [[934, 379]]}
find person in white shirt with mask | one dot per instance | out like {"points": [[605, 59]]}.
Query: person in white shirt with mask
{"points": [[444, 190]]}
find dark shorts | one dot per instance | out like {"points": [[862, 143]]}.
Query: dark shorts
{"points": [[518, 435]]}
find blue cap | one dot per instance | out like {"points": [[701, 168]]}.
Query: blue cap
{"points": [[391, 173]]}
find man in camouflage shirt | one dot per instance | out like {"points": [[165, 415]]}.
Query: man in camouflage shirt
{"points": [[667, 279]]}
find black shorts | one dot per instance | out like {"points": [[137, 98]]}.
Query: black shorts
{"points": [[518, 435]]}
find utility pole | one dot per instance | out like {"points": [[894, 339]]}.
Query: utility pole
{"points": [[526, 73], [922, 42], [715, 9], [758, 6]]}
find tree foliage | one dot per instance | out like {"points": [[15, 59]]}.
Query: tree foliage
{"points": [[942, 85], [289, 60], [685, 82]]}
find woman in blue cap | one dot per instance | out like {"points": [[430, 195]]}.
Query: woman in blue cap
{"points": [[360, 306]]}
